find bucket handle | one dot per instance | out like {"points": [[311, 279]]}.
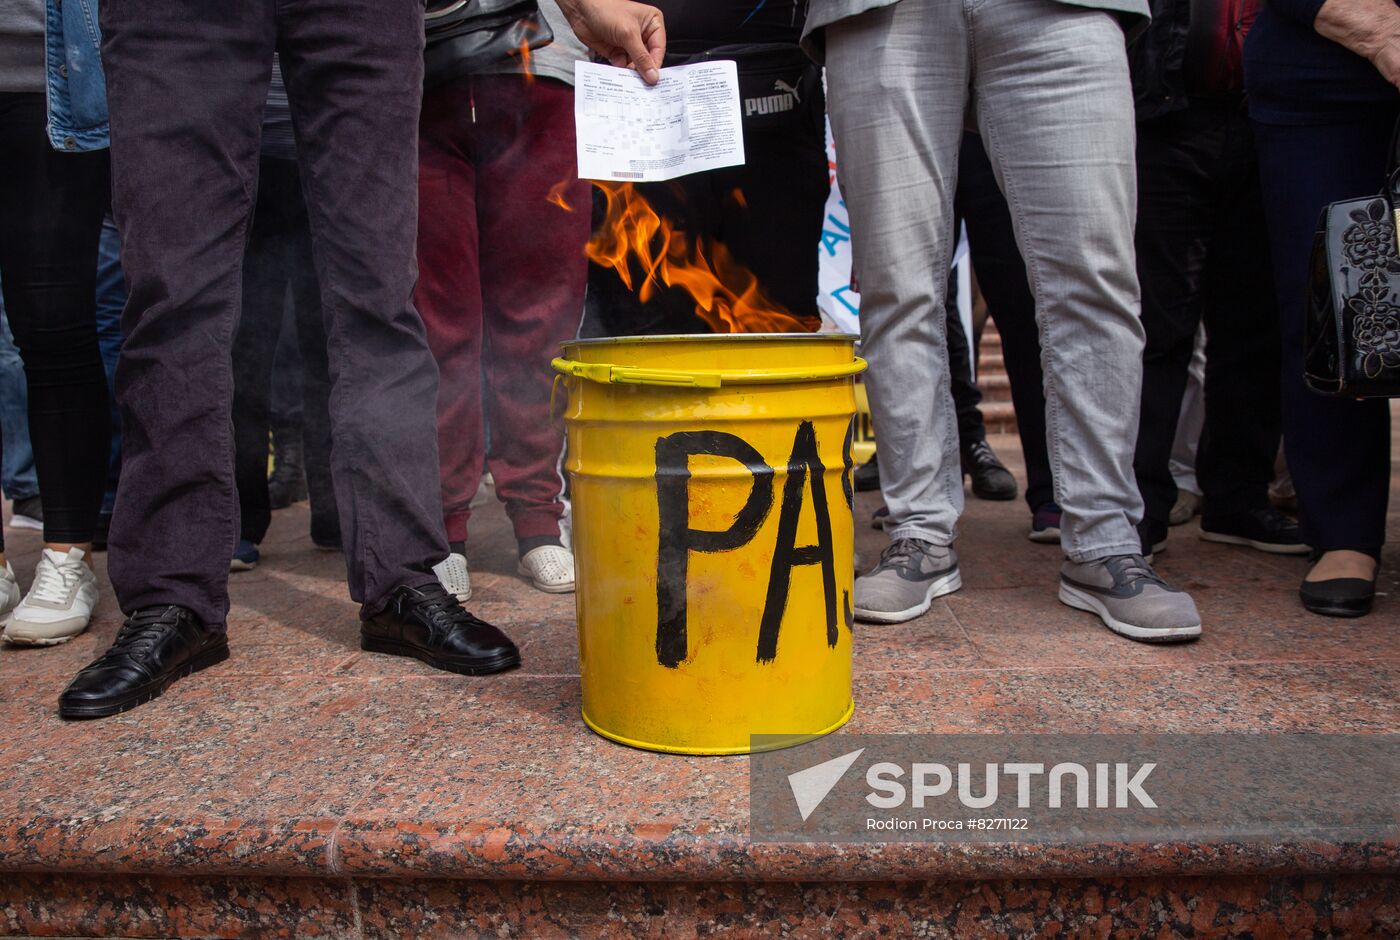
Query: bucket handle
{"points": [[608, 374]]}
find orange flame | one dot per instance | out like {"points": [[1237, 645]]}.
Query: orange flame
{"points": [[634, 238], [525, 61], [556, 194]]}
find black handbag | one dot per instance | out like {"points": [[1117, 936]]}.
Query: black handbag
{"points": [[465, 36], [780, 87], [1351, 336]]}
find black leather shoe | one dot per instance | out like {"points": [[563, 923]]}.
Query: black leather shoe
{"points": [[990, 478], [156, 646], [1265, 529], [1339, 597], [867, 475], [429, 624]]}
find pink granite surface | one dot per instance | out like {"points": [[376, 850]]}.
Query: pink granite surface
{"points": [[302, 756], [1232, 907]]}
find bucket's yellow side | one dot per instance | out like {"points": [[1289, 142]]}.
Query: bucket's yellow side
{"points": [[714, 546]]}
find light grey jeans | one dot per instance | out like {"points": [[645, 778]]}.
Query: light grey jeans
{"points": [[1049, 86]]}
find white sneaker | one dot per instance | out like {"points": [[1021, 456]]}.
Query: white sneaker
{"points": [[452, 572], [550, 568], [60, 601], [9, 594]]}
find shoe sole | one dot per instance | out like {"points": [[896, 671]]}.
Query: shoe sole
{"points": [[1072, 597], [396, 648], [33, 639], [1045, 536], [1270, 547], [995, 497], [938, 587], [26, 522], [1349, 613], [237, 565], [547, 588], [40, 634], [210, 657]]}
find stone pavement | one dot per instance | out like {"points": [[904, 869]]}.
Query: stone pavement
{"points": [[306, 788]]}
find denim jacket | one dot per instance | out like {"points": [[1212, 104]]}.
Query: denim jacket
{"points": [[76, 86]]}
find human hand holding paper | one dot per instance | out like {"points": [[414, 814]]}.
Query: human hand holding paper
{"points": [[627, 34]]}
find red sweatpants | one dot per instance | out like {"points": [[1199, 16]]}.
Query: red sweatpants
{"points": [[501, 283]]}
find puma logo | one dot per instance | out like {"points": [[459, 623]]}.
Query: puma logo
{"points": [[787, 98]]}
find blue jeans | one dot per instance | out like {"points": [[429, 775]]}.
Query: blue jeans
{"points": [[17, 475], [111, 298]]}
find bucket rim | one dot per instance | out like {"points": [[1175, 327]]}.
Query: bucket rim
{"points": [[706, 337]]}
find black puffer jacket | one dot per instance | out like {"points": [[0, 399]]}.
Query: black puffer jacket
{"points": [[1158, 60]]}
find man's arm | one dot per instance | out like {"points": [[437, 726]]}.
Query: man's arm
{"points": [[1370, 28], [625, 33]]}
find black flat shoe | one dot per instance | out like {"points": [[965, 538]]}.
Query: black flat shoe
{"points": [[1264, 529], [1339, 597], [155, 647], [428, 624], [990, 478]]}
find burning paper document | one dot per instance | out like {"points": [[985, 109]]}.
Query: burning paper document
{"points": [[628, 130]]}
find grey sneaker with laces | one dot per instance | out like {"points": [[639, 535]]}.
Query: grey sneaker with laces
{"points": [[1130, 598], [911, 573]]}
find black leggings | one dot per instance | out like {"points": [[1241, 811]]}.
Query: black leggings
{"points": [[51, 205]]}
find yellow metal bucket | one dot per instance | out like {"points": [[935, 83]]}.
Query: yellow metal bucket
{"points": [[713, 536]]}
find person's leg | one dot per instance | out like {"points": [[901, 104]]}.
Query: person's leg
{"points": [[53, 209], [1054, 103], [966, 395], [1243, 417], [111, 299], [449, 284], [896, 81], [314, 372], [897, 111], [1338, 449], [1055, 110], [254, 347], [354, 73], [1002, 277], [1188, 431], [287, 484], [17, 477], [532, 281], [185, 85], [53, 205], [1178, 168], [989, 476]]}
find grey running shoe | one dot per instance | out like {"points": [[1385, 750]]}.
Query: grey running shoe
{"points": [[911, 573], [1130, 599]]}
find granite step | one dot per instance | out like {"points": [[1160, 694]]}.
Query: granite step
{"points": [[304, 788]]}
